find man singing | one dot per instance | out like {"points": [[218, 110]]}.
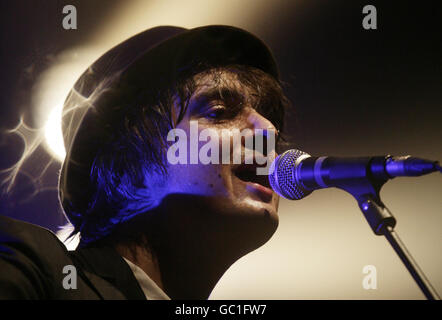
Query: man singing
{"points": [[150, 227]]}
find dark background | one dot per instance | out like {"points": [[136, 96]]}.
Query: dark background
{"points": [[355, 91]]}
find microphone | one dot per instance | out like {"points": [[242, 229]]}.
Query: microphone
{"points": [[295, 174]]}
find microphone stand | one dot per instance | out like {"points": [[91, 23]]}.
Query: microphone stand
{"points": [[372, 176], [382, 222], [363, 178]]}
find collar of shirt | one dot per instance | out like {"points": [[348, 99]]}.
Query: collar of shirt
{"points": [[151, 290]]}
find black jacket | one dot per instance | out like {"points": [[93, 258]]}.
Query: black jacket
{"points": [[32, 261]]}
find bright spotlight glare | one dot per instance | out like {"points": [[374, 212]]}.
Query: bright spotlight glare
{"points": [[54, 135]]}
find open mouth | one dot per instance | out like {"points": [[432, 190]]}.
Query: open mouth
{"points": [[247, 173]]}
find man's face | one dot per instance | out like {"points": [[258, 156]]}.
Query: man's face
{"points": [[222, 105]]}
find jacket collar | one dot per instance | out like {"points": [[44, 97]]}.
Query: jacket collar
{"points": [[107, 264]]}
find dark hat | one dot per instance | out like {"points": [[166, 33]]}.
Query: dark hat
{"points": [[151, 59]]}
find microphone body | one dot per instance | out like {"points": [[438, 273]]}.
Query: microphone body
{"points": [[295, 174]]}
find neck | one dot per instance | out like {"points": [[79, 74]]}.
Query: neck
{"points": [[188, 249], [183, 269]]}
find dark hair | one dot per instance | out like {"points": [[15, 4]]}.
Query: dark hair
{"points": [[138, 147]]}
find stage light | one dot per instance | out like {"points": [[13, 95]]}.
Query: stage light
{"points": [[54, 135]]}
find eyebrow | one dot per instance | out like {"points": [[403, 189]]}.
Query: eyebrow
{"points": [[234, 99], [227, 94]]}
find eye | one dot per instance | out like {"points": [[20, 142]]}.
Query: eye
{"points": [[215, 112]]}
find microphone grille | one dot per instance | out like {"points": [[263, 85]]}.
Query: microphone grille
{"points": [[282, 177]]}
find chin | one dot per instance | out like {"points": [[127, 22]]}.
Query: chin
{"points": [[251, 224], [266, 221], [262, 208]]}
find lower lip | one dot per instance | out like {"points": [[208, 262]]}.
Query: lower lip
{"points": [[264, 192]]}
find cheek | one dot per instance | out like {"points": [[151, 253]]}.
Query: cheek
{"points": [[211, 175], [199, 179], [224, 138]]}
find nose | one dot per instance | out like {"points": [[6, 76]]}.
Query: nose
{"points": [[258, 121], [262, 126]]}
